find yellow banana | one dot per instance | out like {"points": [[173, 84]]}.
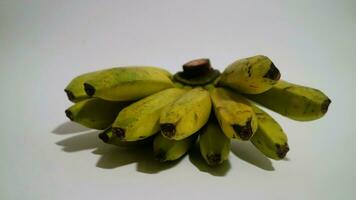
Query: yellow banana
{"points": [[214, 145], [128, 83], [75, 89], [141, 119], [251, 75], [109, 137], [269, 138], [234, 113], [167, 150], [187, 115], [95, 113], [294, 101]]}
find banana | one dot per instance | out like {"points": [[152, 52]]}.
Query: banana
{"points": [[251, 75], [294, 101], [109, 137], [187, 115], [141, 119], [128, 83], [214, 145], [167, 150], [95, 113], [75, 89], [269, 138], [234, 113]]}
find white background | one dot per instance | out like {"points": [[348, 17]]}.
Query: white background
{"points": [[44, 44]]}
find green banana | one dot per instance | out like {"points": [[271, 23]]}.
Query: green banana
{"points": [[234, 113], [109, 137], [75, 89], [214, 145], [128, 83], [251, 75], [141, 119], [187, 115], [294, 101], [269, 138], [95, 113], [167, 150]]}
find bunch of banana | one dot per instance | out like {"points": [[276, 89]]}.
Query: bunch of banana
{"points": [[137, 105]]}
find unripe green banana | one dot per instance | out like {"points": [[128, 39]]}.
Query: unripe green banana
{"points": [[214, 145], [95, 113], [294, 101], [251, 75], [141, 119], [234, 113], [167, 150], [187, 115], [128, 83], [109, 137], [269, 138], [75, 89]]}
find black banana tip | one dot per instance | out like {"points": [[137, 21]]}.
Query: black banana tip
{"points": [[244, 132], [282, 150], [104, 137], [325, 106], [168, 130], [69, 114], [70, 95], [273, 73], [160, 155], [214, 159], [89, 89], [119, 132]]}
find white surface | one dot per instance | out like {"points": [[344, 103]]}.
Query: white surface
{"points": [[44, 44]]}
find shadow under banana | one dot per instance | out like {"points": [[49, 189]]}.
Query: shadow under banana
{"points": [[110, 156]]}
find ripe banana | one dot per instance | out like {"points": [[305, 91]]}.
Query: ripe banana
{"points": [[269, 138], [294, 101], [187, 115], [95, 113], [234, 113], [214, 145], [109, 137], [251, 75], [75, 89], [141, 119], [167, 150], [128, 83]]}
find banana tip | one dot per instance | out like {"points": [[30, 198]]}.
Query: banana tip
{"points": [[214, 159], [282, 150], [168, 130], [119, 132], [244, 132], [325, 106], [104, 137], [160, 156], [273, 73], [70, 95], [69, 114], [89, 89]]}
